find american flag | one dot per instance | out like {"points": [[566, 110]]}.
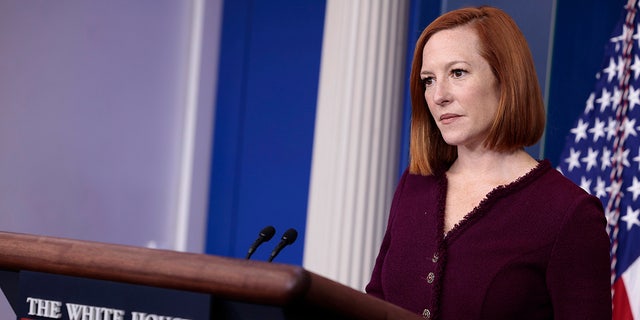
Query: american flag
{"points": [[602, 155]]}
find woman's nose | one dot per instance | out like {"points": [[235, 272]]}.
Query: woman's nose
{"points": [[441, 93]]}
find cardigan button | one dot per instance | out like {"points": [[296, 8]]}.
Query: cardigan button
{"points": [[430, 277], [426, 314], [435, 257]]}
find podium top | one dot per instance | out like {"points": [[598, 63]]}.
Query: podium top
{"points": [[227, 278]]}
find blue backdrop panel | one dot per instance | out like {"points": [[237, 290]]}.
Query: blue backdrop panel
{"points": [[582, 30], [230, 107], [265, 117]]}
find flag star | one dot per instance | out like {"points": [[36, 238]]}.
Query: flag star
{"points": [[634, 188], [585, 184], [573, 159], [605, 159], [622, 36], [622, 156], [625, 158], [614, 189], [604, 100], [634, 97], [597, 130], [591, 159], [617, 38], [636, 64], [637, 159], [600, 188], [611, 128], [636, 36], [631, 218], [610, 70], [580, 131], [590, 101], [609, 215], [629, 128]]}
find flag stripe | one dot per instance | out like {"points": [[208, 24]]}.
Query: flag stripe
{"points": [[621, 307], [632, 286]]}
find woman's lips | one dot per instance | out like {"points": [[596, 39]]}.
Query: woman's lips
{"points": [[448, 118]]}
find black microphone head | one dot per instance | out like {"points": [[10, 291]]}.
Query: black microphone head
{"points": [[290, 236], [267, 233]]}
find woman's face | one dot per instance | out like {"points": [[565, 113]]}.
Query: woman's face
{"points": [[461, 90]]}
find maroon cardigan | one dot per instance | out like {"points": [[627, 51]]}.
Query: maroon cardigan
{"points": [[534, 249]]}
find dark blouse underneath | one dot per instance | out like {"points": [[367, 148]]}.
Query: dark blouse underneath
{"points": [[534, 249]]}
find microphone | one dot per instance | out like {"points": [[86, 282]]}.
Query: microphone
{"points": [[265, 235], [288, 238]]}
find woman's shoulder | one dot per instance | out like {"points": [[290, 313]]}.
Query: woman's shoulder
{"points": [[548, 190], [412, 181], [559, 195], [418, 189], [559, 183]]}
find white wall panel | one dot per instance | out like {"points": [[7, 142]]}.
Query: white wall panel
{"points": [[356, 146]]}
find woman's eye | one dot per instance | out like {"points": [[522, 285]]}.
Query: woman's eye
{"points": [[457, 73], [428, 81]]}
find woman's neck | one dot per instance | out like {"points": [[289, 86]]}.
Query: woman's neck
{"points": [[488, 164]]}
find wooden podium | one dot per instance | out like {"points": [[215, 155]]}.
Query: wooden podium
{"points": [[238, 289]]}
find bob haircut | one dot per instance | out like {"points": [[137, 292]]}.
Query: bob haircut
{"points": [[520, 118]]}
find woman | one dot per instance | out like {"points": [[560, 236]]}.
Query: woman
{"points": [[478, 228]]}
